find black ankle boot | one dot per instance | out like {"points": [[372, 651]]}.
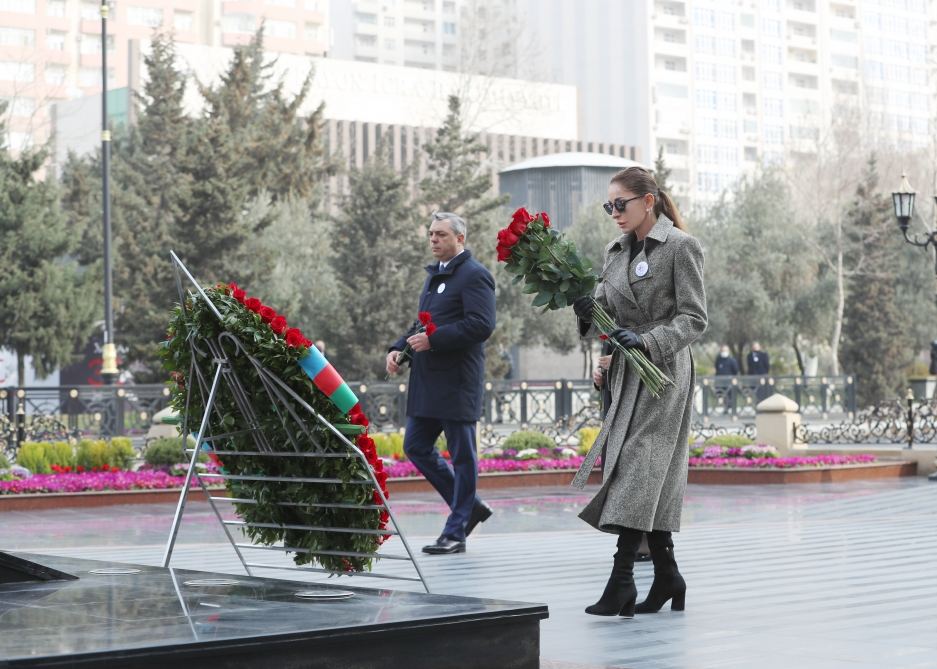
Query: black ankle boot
{"points": [[620, 592], [668, 583]]}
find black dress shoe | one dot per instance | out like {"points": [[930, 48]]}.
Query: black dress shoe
{"points": [[445, 546], [480, 513]]}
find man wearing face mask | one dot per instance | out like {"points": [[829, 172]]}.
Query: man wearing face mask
{"points": [[726, 365]]}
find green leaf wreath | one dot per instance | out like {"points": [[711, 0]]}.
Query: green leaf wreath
{"points": [[277, 504]]}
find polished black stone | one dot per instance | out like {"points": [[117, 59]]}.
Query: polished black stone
{"points": [[153, 618]]}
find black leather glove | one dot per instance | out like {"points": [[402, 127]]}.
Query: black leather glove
{"points": [[583, 308], [627, 338]]}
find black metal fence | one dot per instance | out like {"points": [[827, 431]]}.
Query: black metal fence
{"points": [[55, 413]]}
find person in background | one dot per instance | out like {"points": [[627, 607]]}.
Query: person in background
{"points": [[757, 363], [726, 364]]}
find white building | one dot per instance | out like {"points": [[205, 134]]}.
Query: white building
{"points": [[721, 85]]}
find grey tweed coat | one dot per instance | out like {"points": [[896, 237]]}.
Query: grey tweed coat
{"points": [[646, 438]]}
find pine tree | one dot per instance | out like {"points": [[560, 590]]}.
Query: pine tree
{"points": [[46, 301], [662, 172], [379, 255], [876, 344], [455, 179]]}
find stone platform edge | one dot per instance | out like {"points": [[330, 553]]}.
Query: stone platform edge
{"points": [[488, 481]]}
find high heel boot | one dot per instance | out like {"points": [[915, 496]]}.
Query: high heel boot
{"points": [[620, 592], [668, 583]]}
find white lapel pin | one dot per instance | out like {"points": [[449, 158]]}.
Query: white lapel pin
{"points": [[641, 268], [441, 288]]}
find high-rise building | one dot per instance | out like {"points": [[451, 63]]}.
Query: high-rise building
{"points": [[50, 50], [721, 86]]}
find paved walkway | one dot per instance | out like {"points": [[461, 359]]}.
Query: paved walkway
{"points": [[841, 575]]}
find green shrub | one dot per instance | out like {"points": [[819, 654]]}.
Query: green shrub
{"points": [[729, 441], [519, 441], [60, 453], [166, 451], [4, 463], [389, 444], [120, 453], [92, 453], [587, 437], [32, 455]]}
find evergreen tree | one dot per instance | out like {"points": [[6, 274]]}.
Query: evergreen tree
{"points": [[662, 172], [876, 344], [47, 302], [455, 178], [378, 264]]}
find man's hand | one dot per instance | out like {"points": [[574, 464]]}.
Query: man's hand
{"points": [[419, 342], [391, 364], [598, 377]]}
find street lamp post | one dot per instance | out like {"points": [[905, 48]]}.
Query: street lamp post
{"points": [[903, 201], [109, 350]]}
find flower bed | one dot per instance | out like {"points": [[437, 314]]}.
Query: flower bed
{"points": [[92, 481], [782, 463]]}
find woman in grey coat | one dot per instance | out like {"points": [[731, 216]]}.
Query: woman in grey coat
{"points": [[652, 286]]}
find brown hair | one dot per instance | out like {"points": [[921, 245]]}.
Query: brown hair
{"points": [[640, 181]]}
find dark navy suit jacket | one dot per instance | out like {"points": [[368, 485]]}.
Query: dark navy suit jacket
{"points": [[448, 381]]}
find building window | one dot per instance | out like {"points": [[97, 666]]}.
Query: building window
{"points": [[239, 23], [11, 70], [368, 19], [281, 29], [390, 21], [55, 8], [182, 21], [17, 37], [151, 17], [90, 11], [90, 77], [55, 40], [91, 44], [18, 6], [312, 32], [448, 28], [55, 74]]}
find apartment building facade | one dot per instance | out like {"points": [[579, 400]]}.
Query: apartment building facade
{"points": [[50, 50]]}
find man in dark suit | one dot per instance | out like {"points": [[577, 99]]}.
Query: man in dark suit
{"points": [[447, 376], [757, 362]]}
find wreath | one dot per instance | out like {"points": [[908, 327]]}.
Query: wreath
{"points": [[276, 508]]}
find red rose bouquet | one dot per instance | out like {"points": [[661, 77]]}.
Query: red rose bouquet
{"points": [[551, 269]]}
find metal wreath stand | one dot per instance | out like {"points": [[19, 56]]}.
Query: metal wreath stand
{"points": [[297, 417]]}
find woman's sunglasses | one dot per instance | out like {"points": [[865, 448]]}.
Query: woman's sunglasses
{"points": [[619, 204]]}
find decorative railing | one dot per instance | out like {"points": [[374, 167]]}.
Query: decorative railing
{"points": [[722, 404], [72, 412], [905, 422]]}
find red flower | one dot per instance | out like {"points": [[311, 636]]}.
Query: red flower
{"points": [[278, 325], [385, 516], [522, 216], [267, 314], [507, 237], [80, 469], [381, 478], [106, 467], [425, 317], [232, 288], [307, 343], [360, 419], [376, 498], [603, 337], [295, 338], [546, 219], [430, 329], [253, 304], [378, 465], [504, 253], [239, 295]]}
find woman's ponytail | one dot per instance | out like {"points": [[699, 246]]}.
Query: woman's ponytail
{"points": [[666, 206]]}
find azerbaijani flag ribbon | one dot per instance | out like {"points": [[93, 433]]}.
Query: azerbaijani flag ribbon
{"points": [[327, 379]]}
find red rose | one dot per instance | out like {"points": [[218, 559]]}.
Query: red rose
{"points": [[376, 498], [378, 465], [239, 295], [425, 317], [307, 343], [295, 338], [253, 304], [430, 329], [603, 337], [232, 287], [381, 478], [507, 238], [278, 325], [546, 219], [522, 216], [504, 253], [360, 419], [385, 516], [267, 314]]}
